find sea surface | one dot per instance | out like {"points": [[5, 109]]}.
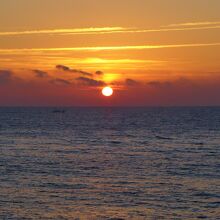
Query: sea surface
{"points": [[110, 163]]}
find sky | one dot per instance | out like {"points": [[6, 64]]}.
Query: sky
{"points": [[152, 53]]}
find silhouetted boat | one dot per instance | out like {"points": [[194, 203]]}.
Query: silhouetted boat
{"points": [[58, 111]]}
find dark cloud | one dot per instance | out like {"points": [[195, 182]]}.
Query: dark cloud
{"points": [[67, 69], [60, 82], [5, 76], [159, 84], [62, 67], [90, 82], [83, 72], [131, 82], [182, 81], [40, 74], [99, 73]]}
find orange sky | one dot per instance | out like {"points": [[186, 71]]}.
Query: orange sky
{"points": [[62, 52]]}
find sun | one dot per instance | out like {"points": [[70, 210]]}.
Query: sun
{"points": [[107, 91]]}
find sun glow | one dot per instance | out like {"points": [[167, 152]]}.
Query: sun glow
{"points": [[107, 91]]}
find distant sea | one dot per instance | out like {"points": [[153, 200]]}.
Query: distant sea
{"points": [[110, 163]]}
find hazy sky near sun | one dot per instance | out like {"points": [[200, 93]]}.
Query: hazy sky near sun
{"points": [[62, 52]]}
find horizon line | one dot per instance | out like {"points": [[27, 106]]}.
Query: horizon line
{"points": [[106, 106]]}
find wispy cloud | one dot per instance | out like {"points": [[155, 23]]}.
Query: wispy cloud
{"points": [[194, 24], [91, 30], [117, 30], [176, 27], [104, 48], [95, 60]]}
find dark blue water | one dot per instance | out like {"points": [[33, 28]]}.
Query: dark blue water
{"points": [[110, 163]]}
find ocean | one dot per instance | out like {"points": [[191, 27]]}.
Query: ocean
{"points": [[110, 163]]}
